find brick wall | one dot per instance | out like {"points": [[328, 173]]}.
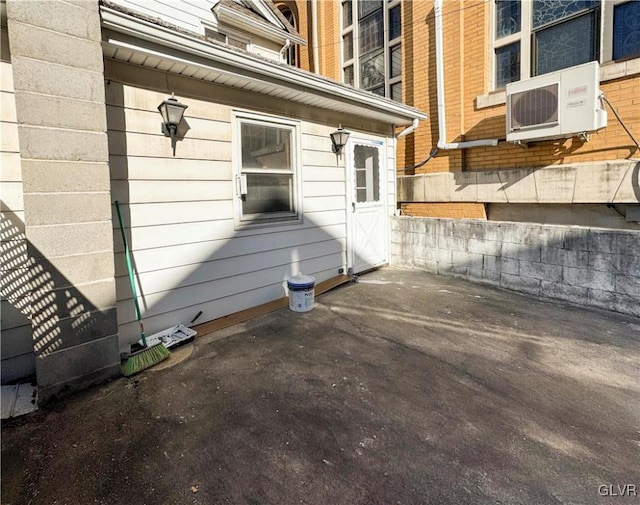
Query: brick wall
{"points": [[468, 65], [447, 210], [468, 68], [587, 266], [330, 38]]}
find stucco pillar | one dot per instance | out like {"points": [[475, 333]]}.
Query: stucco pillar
{"points": [[61, 114]]}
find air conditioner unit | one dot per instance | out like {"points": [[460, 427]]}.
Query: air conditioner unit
{"points": [[560, 104]]}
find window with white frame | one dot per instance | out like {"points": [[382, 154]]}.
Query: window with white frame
{"points": [[621, 29], [233, 40], [539, 36], [371, 46], [266, 176]]}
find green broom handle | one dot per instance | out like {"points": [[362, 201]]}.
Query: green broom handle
{"points": [[132, 281]]}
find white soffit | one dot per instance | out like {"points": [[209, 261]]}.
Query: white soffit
{"points": [[133, 40]]}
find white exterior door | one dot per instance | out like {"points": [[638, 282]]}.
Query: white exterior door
{"points": [[369, 235]]}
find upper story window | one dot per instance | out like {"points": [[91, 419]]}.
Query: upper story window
{"points": [[233, 40], [622, 35], [540, 36], [371, 46]]}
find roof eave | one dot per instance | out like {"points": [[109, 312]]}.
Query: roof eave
{"points": [[237, 20], [334, 94]]}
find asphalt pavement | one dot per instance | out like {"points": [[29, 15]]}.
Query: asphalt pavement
{"points": [[403, 388]]}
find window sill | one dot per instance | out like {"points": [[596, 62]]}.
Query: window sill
{"points": [[615, 70], [247, 227], [608, 71]]}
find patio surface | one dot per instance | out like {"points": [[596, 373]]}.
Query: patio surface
{"points": [[405, 388]]}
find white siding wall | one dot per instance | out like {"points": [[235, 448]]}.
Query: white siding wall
{"points": [[189, 14], [179, 215], [265, 48], [17, 345], [186, 14]]}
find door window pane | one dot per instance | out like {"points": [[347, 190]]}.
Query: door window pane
{"points": [[626, 30], [565, 45], [507, 17], [507, 64], [367, 174]]}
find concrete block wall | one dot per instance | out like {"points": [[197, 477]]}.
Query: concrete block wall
{"points": [[17, 357], [590, 266], [58, 76]]}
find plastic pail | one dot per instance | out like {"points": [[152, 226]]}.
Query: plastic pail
{"points": [[301, 292]]}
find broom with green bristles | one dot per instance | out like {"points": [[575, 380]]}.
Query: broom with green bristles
{"points": [[147, 356]]}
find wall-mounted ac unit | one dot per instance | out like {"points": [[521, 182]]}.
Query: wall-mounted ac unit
{"points": [[560, 104]]}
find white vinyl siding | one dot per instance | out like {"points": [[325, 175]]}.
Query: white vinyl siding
{"points": [[196, 16], [187, 14], [179, 214]]}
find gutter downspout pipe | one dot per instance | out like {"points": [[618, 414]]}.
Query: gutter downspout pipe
{"points": [[314, 35], [442, 125], [409, 129], [286, 46]]}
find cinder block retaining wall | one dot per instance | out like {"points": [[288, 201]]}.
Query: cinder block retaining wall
{"points": [[590, 266]]}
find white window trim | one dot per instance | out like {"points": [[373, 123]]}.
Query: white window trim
{"points": [[223, 30], [609, 69], [382, 189], [387, 44], [345, 31], [241, 222], [606, 45], [524, 37]]}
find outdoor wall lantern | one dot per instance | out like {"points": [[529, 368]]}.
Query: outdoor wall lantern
{"points": [[339, 139], [172, 112]]}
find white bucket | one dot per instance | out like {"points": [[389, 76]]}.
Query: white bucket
{"points": [[301, 292]]}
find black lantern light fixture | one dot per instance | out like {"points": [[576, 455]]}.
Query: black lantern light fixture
{"points": [[172, 112], [339, 139]]}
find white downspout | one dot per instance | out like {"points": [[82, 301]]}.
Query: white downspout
{"points": [[314, 34], [408, 129], [442, 125], [286, 46]]}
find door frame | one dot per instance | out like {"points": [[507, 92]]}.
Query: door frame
{"points": [[352, 206]]}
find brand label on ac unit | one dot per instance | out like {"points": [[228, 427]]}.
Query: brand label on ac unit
{"points": [[576, 96], [577, 91]]}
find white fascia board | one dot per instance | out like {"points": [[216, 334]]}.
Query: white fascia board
{"points": [[266, 12], [236, 20], [396, 112]]}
